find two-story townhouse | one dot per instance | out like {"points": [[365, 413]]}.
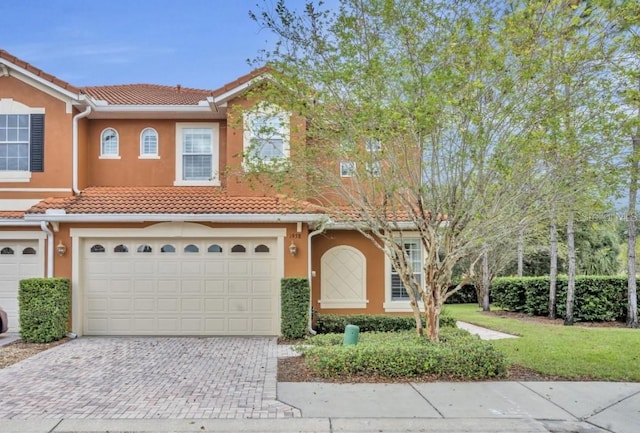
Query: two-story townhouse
{"points": [[126, 190]]}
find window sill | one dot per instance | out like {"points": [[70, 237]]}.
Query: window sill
{"points": [[110, 157], [15, 176], [148, 157], [214, 182], [399, 307]]}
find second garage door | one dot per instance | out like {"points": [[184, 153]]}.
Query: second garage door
{"points": [[180, 287]]}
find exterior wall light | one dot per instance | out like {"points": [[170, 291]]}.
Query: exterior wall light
{"points": [[61, 248], [293, 249]]}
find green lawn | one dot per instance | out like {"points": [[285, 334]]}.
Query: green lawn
{"points": [[573, 352]]}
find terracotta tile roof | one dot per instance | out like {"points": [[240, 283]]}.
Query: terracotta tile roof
{"points": [[152, 94], [11, 215], [170, 200], [39, 72], [147, 94]]}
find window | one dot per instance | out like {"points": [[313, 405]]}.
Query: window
{"points": [[21, 141], [414, 251], [373, 168], [121, 249], [373, 145], [168, 249], [214, 248], [148, 143], [28, 251], [261, 249], [347, 169], [238, 249], [197, 154], [97, 248], [6, 251], [14, 142], [145, 248], [109, 143], [191, 248], [266, 137]]}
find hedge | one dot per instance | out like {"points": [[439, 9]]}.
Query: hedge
{"points": [[44, 309], [597, 298], [401, 355], [335, 323], [295, 307]]}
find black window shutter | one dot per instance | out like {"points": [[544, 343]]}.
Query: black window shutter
{"points": [[36, 162]]}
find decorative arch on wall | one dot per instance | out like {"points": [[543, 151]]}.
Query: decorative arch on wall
{"points": [[343, 279]]}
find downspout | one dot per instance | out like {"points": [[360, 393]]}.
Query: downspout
{"points": [[47, 230], [74, 144], [310, 273]]}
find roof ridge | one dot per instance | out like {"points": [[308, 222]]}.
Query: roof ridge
{"points": [[178, 87]]}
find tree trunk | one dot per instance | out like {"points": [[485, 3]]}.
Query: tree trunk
{"points": [[632, 303], [486, 281], [553, 269], [571, 284], [520, 252], [432, 312]]}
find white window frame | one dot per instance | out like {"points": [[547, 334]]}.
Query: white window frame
{"points": [[249, 135], [347, 168], [401, 306], [104, 155], [19, 142], [149, 155], [9, 106], [215, 154]]}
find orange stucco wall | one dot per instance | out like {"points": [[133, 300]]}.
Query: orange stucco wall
{"points": [[375, 269], [57, 134]]}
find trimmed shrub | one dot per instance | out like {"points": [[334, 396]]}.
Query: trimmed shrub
{"points": [[402, 354], [335, 323], [295, 307], [597, 298], [44, 309]]}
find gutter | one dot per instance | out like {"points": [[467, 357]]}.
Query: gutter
{"points": [[310, 275], [19, 223], [47, 230], [59, 215], [74, 145]]}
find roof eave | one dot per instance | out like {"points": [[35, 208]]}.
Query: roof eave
{"points": [[11, 67], [58, 215]]}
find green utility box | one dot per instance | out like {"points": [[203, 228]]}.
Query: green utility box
{"points": [[351, 333]]}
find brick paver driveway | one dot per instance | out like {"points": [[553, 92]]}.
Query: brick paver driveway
{"points": [[91, 377]]}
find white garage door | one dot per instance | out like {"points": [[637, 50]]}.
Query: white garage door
{"points": [[180, 287], [18, 260]]}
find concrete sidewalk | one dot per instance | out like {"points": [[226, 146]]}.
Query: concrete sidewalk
{"points": [[476, 407]]}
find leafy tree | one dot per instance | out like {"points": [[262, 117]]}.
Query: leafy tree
{"points": [[427, 105]]}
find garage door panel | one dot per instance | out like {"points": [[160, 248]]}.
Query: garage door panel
{"points": [[180, 293], [15, 267], [238, 268]]}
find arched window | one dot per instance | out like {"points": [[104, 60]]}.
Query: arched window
{"points": [[97, 248], [191, 248], [121, 249], [261, 249], [238, 249], [109, 143], [215, 248], [168, 249], [28, 251], [6, 251], [148, 143], [144, 248]]}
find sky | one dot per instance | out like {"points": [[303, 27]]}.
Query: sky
{"points": [[201, 44]]}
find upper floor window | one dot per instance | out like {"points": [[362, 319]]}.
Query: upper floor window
{"points": [[148, 143], [197, 154], [347, 169], [21, 141], [14, 142], [266, 134], [109, 146]]}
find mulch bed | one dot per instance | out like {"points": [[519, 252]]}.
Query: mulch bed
{"points": [[295, 370]]}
